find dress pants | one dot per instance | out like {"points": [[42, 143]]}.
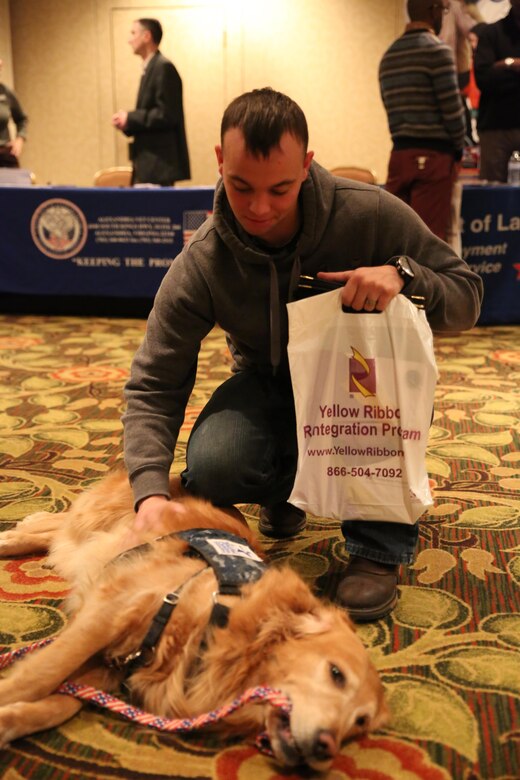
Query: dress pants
{"points": [[424, 179]]}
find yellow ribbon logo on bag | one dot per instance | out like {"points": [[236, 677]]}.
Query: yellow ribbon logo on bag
{"points": [[362, 374]]}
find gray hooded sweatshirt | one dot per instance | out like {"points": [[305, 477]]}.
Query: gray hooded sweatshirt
{"points": [[223, 277]]}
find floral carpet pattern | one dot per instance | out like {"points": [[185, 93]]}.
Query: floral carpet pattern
{"points": [[450, 653]]}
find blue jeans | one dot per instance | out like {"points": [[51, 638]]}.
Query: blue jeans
{"points": [[243, 449]]}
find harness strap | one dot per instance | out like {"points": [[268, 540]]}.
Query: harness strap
{"points": [[160, 619], [140, 657], [219, 617]]}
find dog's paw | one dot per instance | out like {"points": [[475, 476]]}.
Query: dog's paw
{"points": [[29, 535], [36, 516], [9, 724], [7, 541], [10, 544]]}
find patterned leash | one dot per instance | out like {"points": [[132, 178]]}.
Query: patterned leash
{"points": [[106, 700]]}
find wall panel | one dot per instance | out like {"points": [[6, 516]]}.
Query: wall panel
{"points": [[5, 44], [194, 41], [56, 75], [73, 68], [326, 56]]}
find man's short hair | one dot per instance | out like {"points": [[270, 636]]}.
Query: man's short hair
{"points": [[419, 10], [154, 27], [263, 116]]}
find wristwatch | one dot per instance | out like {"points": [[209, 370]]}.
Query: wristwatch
{"points": [[404, 269], [509, 61]]}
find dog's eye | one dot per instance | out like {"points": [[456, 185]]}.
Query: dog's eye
{"points": [[338, 678], [362, 721]]}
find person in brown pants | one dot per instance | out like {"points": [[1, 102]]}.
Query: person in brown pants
{"points": [[420, 92]]}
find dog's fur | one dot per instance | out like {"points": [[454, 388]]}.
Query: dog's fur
{"points": [[279, 634]]}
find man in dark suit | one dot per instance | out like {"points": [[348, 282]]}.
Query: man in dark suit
{"points": [[159, 151]]}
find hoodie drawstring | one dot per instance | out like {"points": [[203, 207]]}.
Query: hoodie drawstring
{"points": [[274, 317], [274, 307], [295, 277]]}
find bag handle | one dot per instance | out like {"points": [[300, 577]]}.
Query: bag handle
{"points": [[311, 285]]}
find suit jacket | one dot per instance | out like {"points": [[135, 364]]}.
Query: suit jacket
{"points": [[159, 151]]}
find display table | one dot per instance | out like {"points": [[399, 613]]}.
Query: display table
{"points": [[105, 250], [491, 247], [99, 250]]}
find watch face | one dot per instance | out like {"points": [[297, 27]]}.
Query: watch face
{"points": [[405, 266]]}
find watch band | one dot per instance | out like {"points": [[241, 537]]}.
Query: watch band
{"points": [[402, 267]]}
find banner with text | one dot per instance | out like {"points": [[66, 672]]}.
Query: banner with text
{"points": [[96, 241], [491, 247]]}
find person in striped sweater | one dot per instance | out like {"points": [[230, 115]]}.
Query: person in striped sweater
{"points": [[419, 88]]}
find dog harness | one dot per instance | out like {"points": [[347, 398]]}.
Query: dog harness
{"points": [[234, 563]]}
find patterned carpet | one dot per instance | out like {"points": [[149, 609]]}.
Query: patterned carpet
{"points": [[449, 655]]}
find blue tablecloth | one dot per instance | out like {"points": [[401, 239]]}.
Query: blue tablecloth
{"points": [[116, 244], [491, 246], [99, 242]]}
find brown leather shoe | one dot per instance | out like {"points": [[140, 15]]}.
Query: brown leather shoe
{"points": [[369, 589], [281, 521]]}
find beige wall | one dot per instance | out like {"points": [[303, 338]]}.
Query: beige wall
{"points": [[5, 44], [73, 68]]}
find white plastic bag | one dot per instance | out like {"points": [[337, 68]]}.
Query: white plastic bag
{"points": [[363, 390]]}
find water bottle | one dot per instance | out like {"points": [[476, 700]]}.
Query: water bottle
{"points": [[513, 169]]}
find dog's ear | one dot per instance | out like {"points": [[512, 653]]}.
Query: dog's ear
{"points": [[322, 618], [318, 621], [345, 617], [276, 607]]}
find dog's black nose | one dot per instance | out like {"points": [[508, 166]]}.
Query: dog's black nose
{"points": [[325, 746]]}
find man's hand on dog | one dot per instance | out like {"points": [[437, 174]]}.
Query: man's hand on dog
{"points": [[148, 517]]}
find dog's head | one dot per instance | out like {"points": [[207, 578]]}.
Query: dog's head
{"points": [[316, 659], [334, 689]]}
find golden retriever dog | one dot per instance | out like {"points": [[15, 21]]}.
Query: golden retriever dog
{"points": [[278, 634]]}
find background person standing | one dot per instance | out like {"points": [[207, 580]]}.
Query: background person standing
{"points": [[420, 92], [159, 151], [10, 109], [497, 73], [456, 32]]}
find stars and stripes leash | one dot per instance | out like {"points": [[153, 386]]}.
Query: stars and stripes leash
{"points": [[87, 693]]}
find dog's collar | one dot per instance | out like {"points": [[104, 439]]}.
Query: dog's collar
{"points": [[234, 564]]}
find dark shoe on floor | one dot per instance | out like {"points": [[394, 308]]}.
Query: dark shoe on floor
{"points": [[368, 590], [281, 521]]}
